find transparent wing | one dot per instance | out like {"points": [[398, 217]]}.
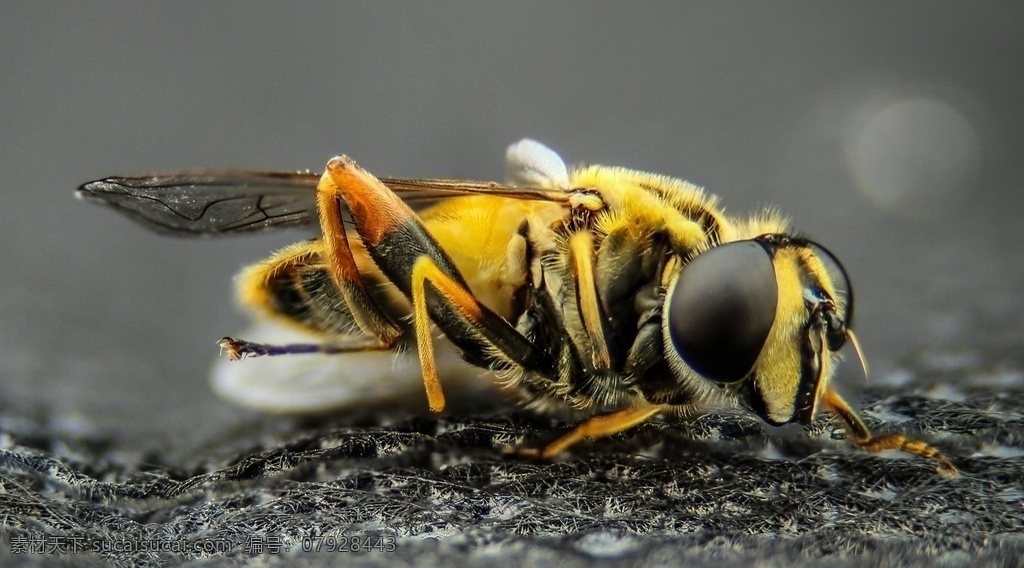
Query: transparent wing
{"points": [[209, 202], [217, 202]]}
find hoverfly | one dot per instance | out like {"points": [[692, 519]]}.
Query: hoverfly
{"points": [[614, 293]]}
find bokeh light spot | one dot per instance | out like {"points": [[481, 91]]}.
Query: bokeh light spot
{"points": [[916, 156]]}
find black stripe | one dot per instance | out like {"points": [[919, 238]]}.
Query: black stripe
{"points": [[700, 215], [810, 373]]}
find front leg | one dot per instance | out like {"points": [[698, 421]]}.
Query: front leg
{"points": [[863, 438]]}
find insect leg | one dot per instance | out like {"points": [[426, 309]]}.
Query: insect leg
{"points": [[863, 438], [367, 315], [595, 427], [240, 348], [296, 286], [410, 258], [581, 251]]}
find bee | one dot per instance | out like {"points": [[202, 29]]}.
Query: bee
{"points": [[616, 294]]}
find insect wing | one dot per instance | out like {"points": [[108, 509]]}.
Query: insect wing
{"points": [[229, 202], [210, 202]]}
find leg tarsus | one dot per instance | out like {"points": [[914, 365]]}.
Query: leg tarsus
{"points": [[237, 349], [902, 443], [864, 439]]}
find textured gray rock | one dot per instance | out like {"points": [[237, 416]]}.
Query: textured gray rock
{"points": [[396, 489]]}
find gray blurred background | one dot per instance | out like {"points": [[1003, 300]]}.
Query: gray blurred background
{"points": [[892, 134]]}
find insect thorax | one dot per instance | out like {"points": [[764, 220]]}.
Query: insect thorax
{"points": [[603, 359]]}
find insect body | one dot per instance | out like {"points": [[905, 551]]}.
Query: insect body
{"points": [[615, 293]]}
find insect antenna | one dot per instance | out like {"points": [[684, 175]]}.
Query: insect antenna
{"points": [[860, 353]]}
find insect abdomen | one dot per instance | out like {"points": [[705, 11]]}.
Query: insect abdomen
{"points": [[295, 286]]}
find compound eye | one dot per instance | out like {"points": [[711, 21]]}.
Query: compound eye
{"points": [[722, 309]]}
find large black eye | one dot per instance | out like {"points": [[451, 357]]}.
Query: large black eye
{"points": [[722, 309]]}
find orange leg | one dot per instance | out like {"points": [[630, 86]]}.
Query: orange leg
{"points": [[424, 270], [581, 249], [595, 427], [410, 258], [863, 438], [381, 333], [344, 271]]}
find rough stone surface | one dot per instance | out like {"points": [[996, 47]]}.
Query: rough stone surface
{"points": [[405, 490]]}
